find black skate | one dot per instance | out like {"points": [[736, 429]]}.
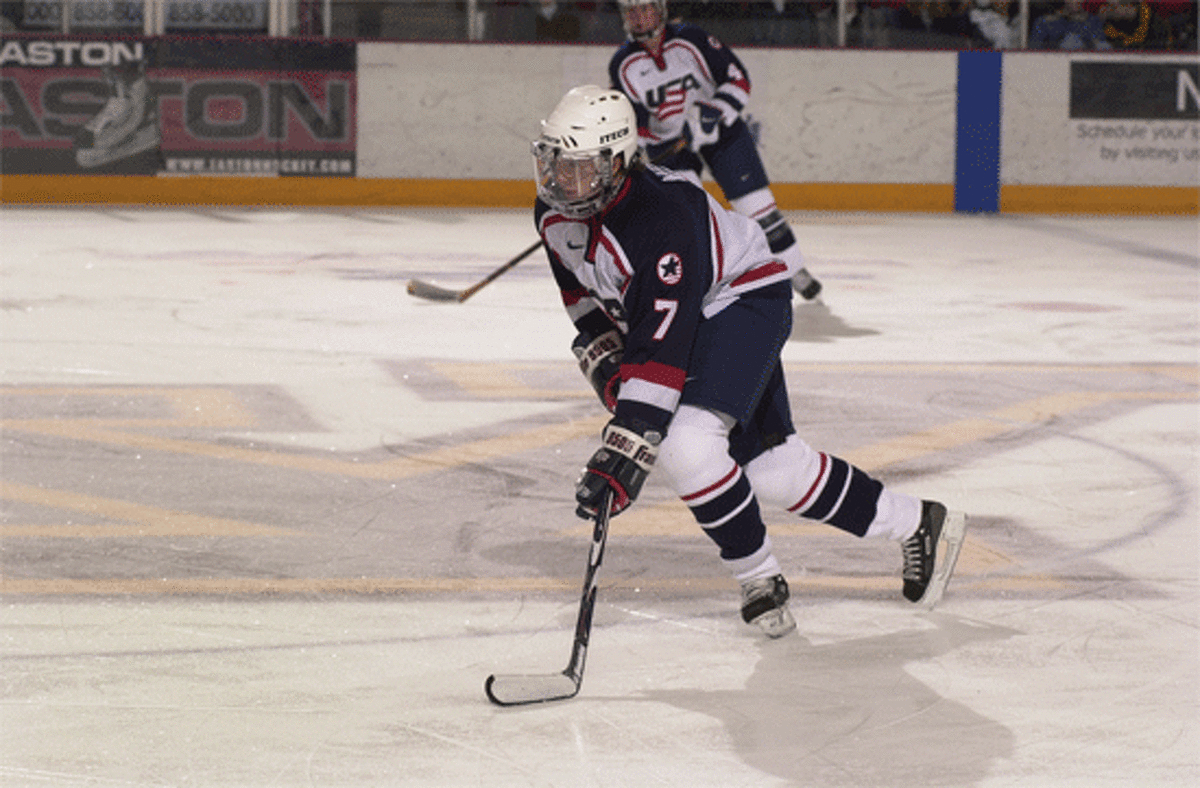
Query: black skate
{"points": [[804, 284], [764, 604], [926, 573]]}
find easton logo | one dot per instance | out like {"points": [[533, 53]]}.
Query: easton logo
{"points": [[91, 54]]}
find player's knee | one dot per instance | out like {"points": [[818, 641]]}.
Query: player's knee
{"points": [[696, 448], [781, 474]]}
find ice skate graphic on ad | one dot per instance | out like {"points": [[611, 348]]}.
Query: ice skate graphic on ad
{"points": [[125, 127]]}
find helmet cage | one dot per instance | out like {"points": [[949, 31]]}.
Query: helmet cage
{"points": [[577, 184], [586, 148]]}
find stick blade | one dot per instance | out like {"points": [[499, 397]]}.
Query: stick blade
{"points": [[517, 690], [430, 292]]}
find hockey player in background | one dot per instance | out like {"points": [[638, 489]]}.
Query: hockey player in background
{"points": [[682, 309], [684, 84]]}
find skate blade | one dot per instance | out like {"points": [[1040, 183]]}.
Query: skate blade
{"points": [[518, 690], [143, 141], [950, 544], [776, 623]]}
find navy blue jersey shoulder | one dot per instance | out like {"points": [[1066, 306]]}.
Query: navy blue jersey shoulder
{"points": [[689, 32], [663, 214], [663, 227]]}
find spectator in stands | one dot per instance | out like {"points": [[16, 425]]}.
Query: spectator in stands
{"points": [[868, 22], [1181, 18], [10, 16], [1133, 24], [994, 22], [945, 24], [1069, 26], [782, 23], [556, 21], [874, 21]]}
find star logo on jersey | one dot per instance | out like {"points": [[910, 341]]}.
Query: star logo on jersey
{"points": [[670, 269]]}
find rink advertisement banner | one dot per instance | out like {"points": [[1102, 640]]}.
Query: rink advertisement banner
{"points": [[149, 107], [128, 15], [1135, 122]]}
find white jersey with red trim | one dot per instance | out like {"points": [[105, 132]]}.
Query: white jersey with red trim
{"points": [[692, 66], [662, 257]]}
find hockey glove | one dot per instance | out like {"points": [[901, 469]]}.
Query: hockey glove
{"points": [[622, 463], [703, 126], [728, 108], [600, 362]]}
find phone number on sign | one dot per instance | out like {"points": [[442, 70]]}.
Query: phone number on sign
{"points": [[193, 14], [103, 13], [217, 13]]}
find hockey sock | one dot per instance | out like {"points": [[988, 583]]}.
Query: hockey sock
{"points": [[760, 206], [695, 459], [816, 485], [756, 566], [729, 515], [896, 516]]}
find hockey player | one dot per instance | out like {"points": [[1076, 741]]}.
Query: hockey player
{"points": [[682, 310], [684, 84]]}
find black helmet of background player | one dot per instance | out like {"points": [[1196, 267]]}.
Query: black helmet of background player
{"points": [[587, 146], [643, 19]]}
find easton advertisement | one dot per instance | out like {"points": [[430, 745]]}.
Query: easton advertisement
{"points": [[168, 107]]}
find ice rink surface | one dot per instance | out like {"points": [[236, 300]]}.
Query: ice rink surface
{"points": [[270, 521]]}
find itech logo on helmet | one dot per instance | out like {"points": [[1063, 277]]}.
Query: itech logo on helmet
{"points": [[612, 136]]}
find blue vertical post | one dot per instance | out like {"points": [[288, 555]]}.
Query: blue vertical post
{"points": [[977, 142]]}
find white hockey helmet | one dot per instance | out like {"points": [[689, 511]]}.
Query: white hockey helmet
{"points": [[642, 35], [587, 145]]}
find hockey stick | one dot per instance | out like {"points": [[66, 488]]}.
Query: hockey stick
{"points": [[434, 293], [519, 690]]}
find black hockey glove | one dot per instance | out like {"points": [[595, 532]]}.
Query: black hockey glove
{"points": [[622, 463], [600, 362]]}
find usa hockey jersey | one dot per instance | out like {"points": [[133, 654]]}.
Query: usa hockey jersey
{"points": [[662, 257], [691, 66]]}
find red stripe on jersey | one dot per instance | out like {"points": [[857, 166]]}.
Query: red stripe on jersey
{"points": [[763, 212], [754, 274], [718, 247], [611, 248], [812, 490], [654, 372], [573, 297], [674, 103], [551, 219], [701, 493]]}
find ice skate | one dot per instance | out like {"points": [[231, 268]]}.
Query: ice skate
{"points": [[126, 126], [764, 604], [804, 284], [931, 552]]}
